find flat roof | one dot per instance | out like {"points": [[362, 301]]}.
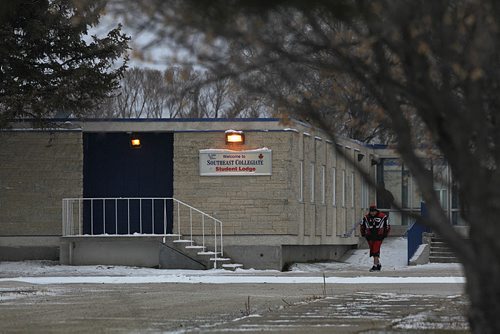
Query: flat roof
{"points": [[182, 125]]}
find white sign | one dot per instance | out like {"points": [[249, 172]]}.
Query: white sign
{"points": [[215, 162]]}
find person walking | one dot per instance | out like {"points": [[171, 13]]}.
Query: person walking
{"points": [[375, 227]]}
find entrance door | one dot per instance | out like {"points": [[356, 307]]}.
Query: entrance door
{"points": [[113, 169]]}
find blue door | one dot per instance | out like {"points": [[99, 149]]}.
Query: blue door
{"points": [[113, 169]]}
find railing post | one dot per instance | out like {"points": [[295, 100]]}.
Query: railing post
{"points": [[91, 216], [128, 215], [215, 244], [221, 243], [164, 217], [203, 230], [63, 218], [71, 227], [140, 215], [152, 216], [67, 218], [104, 215], [191, 225], [70, 217], [80, 218], [116, 216], [179, 220]]}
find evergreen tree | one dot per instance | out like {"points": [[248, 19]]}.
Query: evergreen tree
{"points": [[48, 64]]}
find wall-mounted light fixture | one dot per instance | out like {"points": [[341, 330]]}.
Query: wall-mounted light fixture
{"points": [[135, 141], [235, 137]]}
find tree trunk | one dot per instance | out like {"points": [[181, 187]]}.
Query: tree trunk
{"points": [[483, 284]]}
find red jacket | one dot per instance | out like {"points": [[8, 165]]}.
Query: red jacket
{"points": [[375, 227]]}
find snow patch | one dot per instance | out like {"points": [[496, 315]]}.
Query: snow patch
{"points": [[393, 258], [233, 279]]}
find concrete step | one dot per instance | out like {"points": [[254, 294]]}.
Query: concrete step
{"points": [[441, 251], [195, 247], [441, 259], [444, 248], [190, 250], [434, 246], [437, 239], [208, 253], [225, 263], [170, 237], [195, 256], [442, 254], [232, 266], [222, 259], [440, 245], [174, 257]]}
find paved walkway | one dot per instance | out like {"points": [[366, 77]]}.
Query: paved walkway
{"points": [[215, 308], [359, 312]]}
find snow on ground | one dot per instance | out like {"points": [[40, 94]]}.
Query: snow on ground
{"points": [[393, 257], [234, 279]]}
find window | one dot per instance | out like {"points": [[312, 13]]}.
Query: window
{"points": [[364, 194], [334, 186], [312, 182], [353, 192], [323, 185], [343, 188], [301, 181], [442, 194]]}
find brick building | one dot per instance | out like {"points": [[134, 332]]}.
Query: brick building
{"points": [[283, 195]]}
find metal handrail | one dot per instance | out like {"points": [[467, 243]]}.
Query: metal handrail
{"points": [[351, 230], [73, 220], [405, 235]]}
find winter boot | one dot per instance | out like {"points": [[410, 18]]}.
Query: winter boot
{"points": [[374, 268]]}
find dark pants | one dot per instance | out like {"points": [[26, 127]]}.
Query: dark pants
{"points": [[374, 247]]}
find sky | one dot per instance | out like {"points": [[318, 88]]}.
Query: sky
{"points": [[141, 53]]}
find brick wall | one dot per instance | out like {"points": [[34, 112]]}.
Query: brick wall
{"points": [[246, 204], [37, 170], [273, 205], [324, 214]]}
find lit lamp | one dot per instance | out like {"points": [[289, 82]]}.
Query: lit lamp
{"points": [[235, 137], [135, 142]]}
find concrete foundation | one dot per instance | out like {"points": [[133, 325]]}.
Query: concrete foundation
{"points": [[172, 258], [281, 256], [421, 256], [313, 253], [20, 248], [149, 251], [23, 253], [256, 257], [120, 250]]}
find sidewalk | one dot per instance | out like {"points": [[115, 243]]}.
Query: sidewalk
{"points": [[232, 307], [313, 298], [356, 263]]}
